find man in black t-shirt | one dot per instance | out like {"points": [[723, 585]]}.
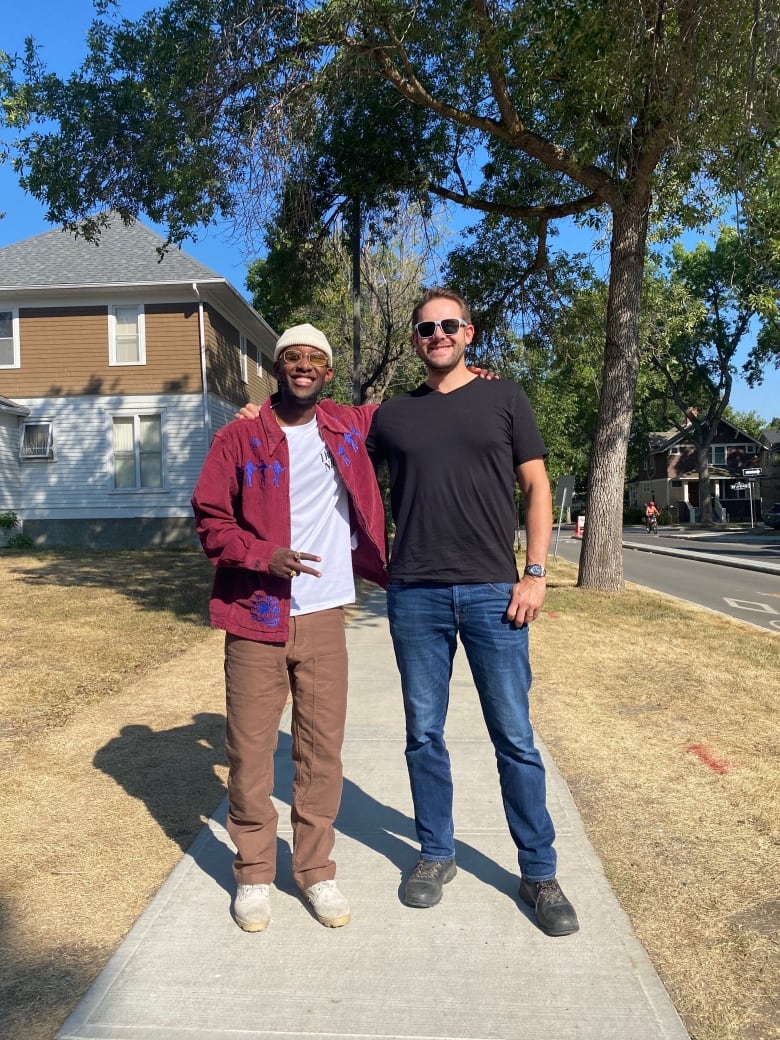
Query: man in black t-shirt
{"points": [[455, 447]]}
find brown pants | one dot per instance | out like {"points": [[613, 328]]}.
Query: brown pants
{"points": [[312, 666]]}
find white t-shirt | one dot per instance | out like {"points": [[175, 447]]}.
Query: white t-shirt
{"points": [[319, 508]]}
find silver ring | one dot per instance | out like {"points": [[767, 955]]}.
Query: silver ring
{"points": [[297, 557]]}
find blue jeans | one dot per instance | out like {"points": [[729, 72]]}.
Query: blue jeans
{"points": [[425, 621]]}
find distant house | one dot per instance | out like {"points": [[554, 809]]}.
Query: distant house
{"points": [[669, 475], [117, 367]]}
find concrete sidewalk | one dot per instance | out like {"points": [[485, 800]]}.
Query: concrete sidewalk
{"points": [[476, 966]]}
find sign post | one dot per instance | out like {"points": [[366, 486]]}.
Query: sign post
{"points": [[750, 473], [564, 491]]}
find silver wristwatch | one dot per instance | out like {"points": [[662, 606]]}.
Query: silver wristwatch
{"points": [[536, 570]]}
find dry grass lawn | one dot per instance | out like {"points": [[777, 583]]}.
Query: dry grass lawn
{"points": [[661, 717]]}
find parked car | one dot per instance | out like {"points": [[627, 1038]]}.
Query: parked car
{"points": [[772, 517]]}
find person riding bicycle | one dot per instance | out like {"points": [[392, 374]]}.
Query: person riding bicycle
{"points": [[652, 512]]}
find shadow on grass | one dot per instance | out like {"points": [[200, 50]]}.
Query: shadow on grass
{"points": [[40, 987], [170, 771], [178, 581]]}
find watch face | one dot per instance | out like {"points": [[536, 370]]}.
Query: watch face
{"points": [[535, 570]]}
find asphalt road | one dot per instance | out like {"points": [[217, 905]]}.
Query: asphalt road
{"points": [[749, 595]]}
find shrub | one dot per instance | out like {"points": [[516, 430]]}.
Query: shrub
{"points": [[20, 541], [8, 520]]}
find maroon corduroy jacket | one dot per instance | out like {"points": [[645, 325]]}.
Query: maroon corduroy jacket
{"points": [[242, 513]]}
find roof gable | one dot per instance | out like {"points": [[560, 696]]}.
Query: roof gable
{"points": [[661, 441], [126, 254]]}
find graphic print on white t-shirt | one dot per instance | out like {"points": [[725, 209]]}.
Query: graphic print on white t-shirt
{"points": [[319, 508]]}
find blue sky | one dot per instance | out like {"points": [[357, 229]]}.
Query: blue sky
{"points": [[60, 30]]}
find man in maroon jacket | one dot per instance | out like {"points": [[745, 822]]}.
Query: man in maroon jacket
{"points": [[277, 494]]}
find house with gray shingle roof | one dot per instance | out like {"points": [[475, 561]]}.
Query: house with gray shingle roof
{"points": [[119, 360]]}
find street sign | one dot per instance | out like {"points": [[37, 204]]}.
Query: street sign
{"points": [[740, 485], [754, 472], [564, 490]]}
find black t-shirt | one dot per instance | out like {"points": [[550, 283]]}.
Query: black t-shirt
{"points": [[452, 460]]}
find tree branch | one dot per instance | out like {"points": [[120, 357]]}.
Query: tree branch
{"points": [[553, 211]]}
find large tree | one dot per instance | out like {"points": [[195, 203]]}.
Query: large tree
{"points": [[718, 291], [536, 111]]}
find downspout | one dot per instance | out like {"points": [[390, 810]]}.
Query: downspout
{"points": [[203, 374]]}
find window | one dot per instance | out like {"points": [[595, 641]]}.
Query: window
{"points": [[9, 339], [244, 367], [126, 336], [37, 441], [137, 452], [751, 449], [675, 449], [717, 455]]}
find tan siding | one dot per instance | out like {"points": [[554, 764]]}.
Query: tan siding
{"points": [[65, 351], [260, 386], [173, 338], [222, 352]]}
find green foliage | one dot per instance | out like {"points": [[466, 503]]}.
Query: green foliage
{"points": [[748, 422], [201, 106], [20, 542], [391, 276], [8, 520]]}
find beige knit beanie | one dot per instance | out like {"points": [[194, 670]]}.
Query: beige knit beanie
{"points": [[304, 336]]}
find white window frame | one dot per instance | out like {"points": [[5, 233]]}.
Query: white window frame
{"points": [[140, 325], [675, 450], [137, 488], [30, 456], [243, 359], [751, 449], [14, 337]]}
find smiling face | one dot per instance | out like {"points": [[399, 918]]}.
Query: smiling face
{"points": [[301, 382], [442, 352]]}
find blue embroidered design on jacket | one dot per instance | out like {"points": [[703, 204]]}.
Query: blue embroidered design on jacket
{"points": [[254, 443], [265, 610], [278, 469], [345, 458], [352, 437], [249, 469]]}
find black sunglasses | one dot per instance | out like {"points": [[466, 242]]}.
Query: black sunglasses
{"points": [[449, 326]]}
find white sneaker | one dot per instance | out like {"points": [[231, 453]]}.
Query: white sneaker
{"points": [[252, 907], [330, 906]]}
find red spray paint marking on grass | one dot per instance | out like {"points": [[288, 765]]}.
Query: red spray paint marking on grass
{"points": [[703, 754]]}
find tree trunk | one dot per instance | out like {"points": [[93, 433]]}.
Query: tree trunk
{"points": [[705, 490], [601, 559]]}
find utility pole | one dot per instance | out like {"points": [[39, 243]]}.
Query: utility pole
{"points": [[356, 300]]}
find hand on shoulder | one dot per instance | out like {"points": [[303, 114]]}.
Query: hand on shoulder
{"points": [[249, 411], [483, 373]]}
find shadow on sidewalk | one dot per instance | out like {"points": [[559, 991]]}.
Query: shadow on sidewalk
{"points": [[172, 772]]}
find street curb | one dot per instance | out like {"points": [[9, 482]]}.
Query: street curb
{"points": [[725, 561]]}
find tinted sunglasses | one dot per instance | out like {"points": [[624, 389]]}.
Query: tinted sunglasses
{"points": [[449, 326], [292, 356]]}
